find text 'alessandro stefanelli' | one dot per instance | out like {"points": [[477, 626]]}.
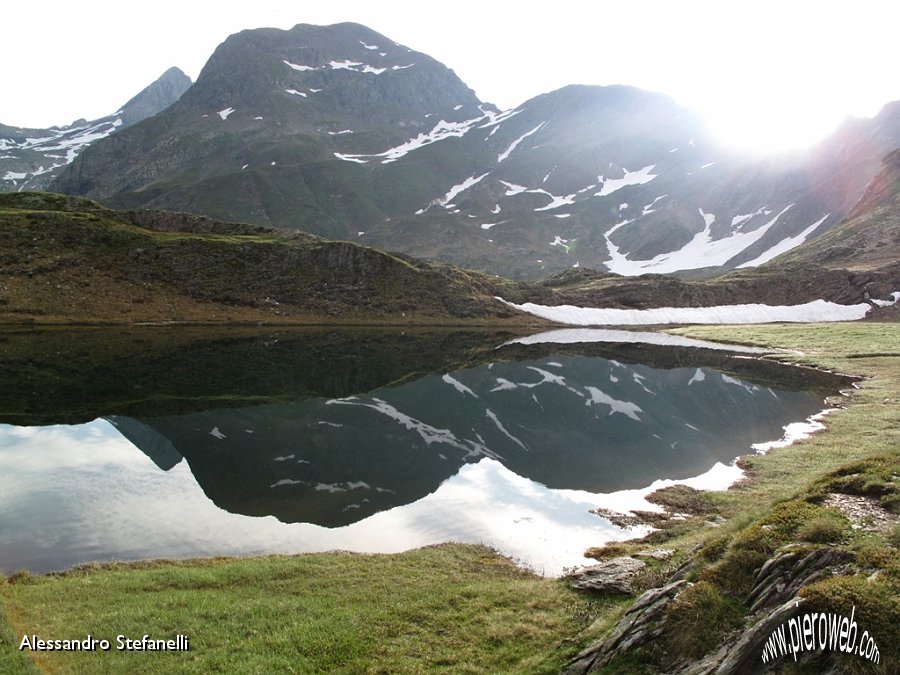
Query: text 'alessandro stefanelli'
{"points": [[91, 644]]}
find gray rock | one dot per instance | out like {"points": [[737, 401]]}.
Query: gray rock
{"points": [[657, 554], [611, 576], [644, 621]]}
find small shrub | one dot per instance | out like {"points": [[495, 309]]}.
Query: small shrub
{"points": [[891, 502], [870, 554]]}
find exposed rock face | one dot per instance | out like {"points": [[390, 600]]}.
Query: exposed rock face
{"points": [[611, 576], [790, 568], [643, 622], [742, 656], [773, 600]]}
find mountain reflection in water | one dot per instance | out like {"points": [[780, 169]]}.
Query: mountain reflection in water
{"points": [[510, 446]]}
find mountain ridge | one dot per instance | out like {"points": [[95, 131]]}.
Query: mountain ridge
{"points": [[31, 158], [340, 131]]}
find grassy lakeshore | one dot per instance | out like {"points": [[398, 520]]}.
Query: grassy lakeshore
{"points": [[465, 609]]}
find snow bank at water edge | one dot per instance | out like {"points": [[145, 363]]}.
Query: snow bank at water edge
{"points": [[810, 312]]}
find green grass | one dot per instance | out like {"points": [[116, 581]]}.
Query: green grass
{"points": [[454, 607]]}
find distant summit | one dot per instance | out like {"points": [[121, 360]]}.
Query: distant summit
{"points": [[156, 97], [31, 158]]}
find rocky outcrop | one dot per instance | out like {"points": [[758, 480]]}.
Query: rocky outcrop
{"points": [[644, 621], [772, 601], [793, 566], [616, 575]]}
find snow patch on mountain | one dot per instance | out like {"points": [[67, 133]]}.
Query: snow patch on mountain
{"points": [[512, 146], [784, 245], [640, 177], [556, 201], [346, 64], [648, 209], [626, 408], [71, 140], [559, 241], [513, 189], [459, 386], [350, 158], [441, 131], [738, 220], [492, 416], [701, 251], [428, 433], [698, 376], [299, 67], [462, 187]]}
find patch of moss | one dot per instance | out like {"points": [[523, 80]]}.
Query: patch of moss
{"points": [[684, 499]]}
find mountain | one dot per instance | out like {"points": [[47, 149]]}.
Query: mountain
{"points": [[254, 139], [342, 132], [869, 239], [69, 260], [31, 158]]}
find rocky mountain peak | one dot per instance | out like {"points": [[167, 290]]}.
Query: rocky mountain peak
{"points": [[156, 97]]}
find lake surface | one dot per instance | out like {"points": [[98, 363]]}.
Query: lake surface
{"points": [[132, 444]]}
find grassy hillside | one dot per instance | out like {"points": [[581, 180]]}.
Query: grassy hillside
{"points": [[69, 260]]}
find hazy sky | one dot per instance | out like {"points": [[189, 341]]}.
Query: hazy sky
{"points": [[765, 73]]}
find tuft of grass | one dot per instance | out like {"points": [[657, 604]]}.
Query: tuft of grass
{"points": [[892, 536], [608, 551], [699, 617], [823, 530], [19, 577]]}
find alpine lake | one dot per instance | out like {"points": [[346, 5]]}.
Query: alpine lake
{"points": [[176, 442]]}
